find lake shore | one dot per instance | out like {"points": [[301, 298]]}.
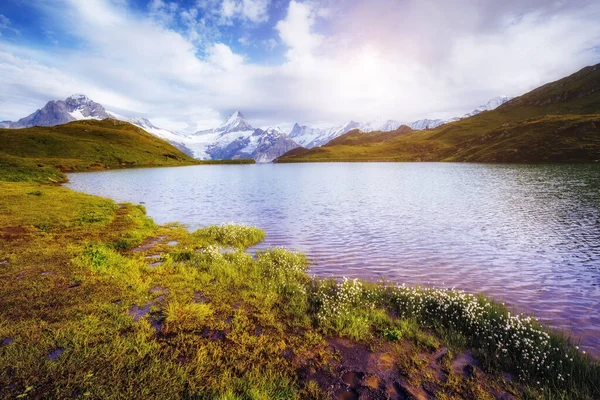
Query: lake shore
{"points": [[100, 301]]}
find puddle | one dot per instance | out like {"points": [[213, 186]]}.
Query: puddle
{"points": [[7, 341], [54, 354], [157, 322], [159, 289], [2, 262], [155, 264], [154, 257], [51, 273], [214, 335], [199, 297], [172, 243], [148, 244], [137, 313]]}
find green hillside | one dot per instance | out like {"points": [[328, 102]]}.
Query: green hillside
{"points": [[42, 153], [557, 122]]}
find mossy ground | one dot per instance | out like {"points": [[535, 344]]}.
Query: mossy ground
{"points": [[97, 301]]}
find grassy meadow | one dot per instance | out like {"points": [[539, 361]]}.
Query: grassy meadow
{"points": [[97, 301]]}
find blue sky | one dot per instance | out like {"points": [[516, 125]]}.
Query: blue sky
{"points": [[186, 64]]}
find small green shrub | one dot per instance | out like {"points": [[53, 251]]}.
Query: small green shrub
{"points": [[238, 236]]}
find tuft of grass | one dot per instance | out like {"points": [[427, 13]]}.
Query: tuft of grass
{"points": [[237, 236]]}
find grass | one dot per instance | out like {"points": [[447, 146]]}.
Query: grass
{"points": [[558, 122], [42, 154], [100, 302]]}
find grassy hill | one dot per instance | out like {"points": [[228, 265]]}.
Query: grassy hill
{"points": [[557, 122], [42, 153]]}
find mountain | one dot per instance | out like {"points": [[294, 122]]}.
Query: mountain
{"points": [[173, 138], [490, 105], [557, 122], [271, 144], [314, 137], [73, 108], [83, 145], [235, 138], [426, 124]]}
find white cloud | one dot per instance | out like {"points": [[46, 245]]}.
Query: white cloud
{"points": [[222, 56], [296, 30], [164, 11], [399, 60], [5, 25], [269, 44], [251, 10]]}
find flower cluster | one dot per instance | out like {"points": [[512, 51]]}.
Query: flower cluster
{"points": [[507, 339]]}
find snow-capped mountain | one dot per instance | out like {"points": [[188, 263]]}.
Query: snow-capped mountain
{"points": [[490, 105], [426, 124], [313, 137], [235, 138], [175, 139], [215, 143], [57, 112]]}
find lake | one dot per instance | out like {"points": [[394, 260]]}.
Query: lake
{"points": [[528, 235]]}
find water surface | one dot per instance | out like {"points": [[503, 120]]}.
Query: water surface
{"points": [[526, 235]]}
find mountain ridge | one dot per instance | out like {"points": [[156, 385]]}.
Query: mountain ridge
{"points": [[557, 122]]}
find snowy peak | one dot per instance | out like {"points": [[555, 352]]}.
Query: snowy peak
{"points": [[235, 123], [57, 112], [79, 106], [274, 131], [78, 97], [490, 105], [142, 122]]}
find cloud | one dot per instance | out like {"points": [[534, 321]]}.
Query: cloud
{"points": [[250, 10], [296, 30], [342, 59], [222, 56], [5, 25]]}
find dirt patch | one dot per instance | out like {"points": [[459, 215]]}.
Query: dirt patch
{"points": [[199, 297], [362, 373], [464, 363], [148, 244], [13, 233], [398, 370]]}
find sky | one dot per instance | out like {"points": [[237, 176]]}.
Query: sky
{"points": [[187, 64]]}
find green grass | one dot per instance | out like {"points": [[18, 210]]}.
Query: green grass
{"points": [[43, 154], [558, 122], [206, 323]]}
